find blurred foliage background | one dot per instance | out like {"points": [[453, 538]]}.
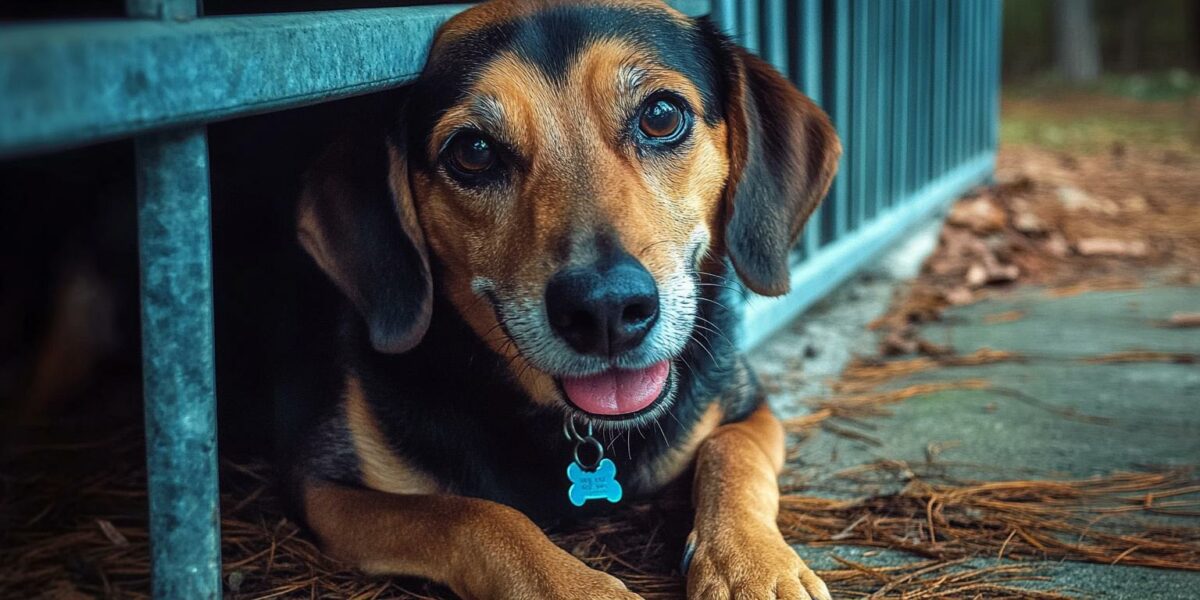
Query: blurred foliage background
{"points": [[1090, 74]]}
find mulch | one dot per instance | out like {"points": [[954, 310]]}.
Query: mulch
{"points": [[1069, 223]]}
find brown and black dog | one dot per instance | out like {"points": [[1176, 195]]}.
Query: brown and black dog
{"points": [[549, 231]]}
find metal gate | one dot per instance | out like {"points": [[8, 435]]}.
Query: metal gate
{"points": [[912, 86], [913, 89]]}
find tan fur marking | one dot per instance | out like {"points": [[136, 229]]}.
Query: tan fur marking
{"points": [[480, 549], [382, 469]]}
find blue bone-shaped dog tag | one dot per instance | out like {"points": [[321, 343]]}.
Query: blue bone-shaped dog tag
{"points": [[593, 485]]}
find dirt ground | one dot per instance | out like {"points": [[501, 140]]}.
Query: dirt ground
{"points": [[1120, 211]]}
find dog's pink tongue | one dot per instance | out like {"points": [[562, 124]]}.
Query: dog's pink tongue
{"points": [[617, 392]]}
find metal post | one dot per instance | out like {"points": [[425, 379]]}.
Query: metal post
{"points": [[996, 55], [861, 148], [725, 13], [885, 55], [941, 122], [808, 61], [177, 364], [928, 120], [838, 66], [775, 36], [748, 25], [958, 88], [175, 245], [978, 69], [902, 46]]}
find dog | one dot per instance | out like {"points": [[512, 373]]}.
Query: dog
{"points": [[551, 235]]}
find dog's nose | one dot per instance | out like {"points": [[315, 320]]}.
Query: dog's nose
{"points": [[603, 310]]}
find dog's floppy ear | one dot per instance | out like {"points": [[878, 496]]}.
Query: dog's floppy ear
{"points": [[783, 156], [357, 220]]}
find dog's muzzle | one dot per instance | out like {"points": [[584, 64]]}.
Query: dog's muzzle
{"points": [[605, 310]]}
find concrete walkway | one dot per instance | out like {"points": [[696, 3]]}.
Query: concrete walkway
{"points": [[1073, 416]]}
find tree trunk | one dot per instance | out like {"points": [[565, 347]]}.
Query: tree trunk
{"points": [[1131, 37], [1195, 37], [1078, 47]]}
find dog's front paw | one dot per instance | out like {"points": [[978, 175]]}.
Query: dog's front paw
{"points": [[750, 565]]}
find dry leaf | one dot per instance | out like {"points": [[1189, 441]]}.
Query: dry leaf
{"points": [[980, 215], [1111, 247]]}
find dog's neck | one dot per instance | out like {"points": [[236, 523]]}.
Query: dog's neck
{"points": [[492, 441]]}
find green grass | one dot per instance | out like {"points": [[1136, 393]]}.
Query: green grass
{"points": [[1160, 110], [1175, 84]]}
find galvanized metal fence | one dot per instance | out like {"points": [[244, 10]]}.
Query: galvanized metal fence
{"points": [[913, 89], [912, 86]]}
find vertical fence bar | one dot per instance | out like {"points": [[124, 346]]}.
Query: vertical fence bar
{"points": [[177, 363], [902, 99], [970, 46], [875, 88], [808, 61], [985, 17], [925, 89], [997, 23], [860, 126], [725, 14], [838, 69], [975, 44], [775, 36], [748, 25], [908, 33], [809, 50], [962, 54], [920, 88], [179, 387], [884, 57], [953, 56], [941, 125], [931, 116]]}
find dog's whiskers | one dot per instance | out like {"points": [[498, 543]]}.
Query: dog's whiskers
{"points": [[663, 433], [700, 343], [714, 328], [713, 302]]}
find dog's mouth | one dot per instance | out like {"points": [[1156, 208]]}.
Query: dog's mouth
{"points": [[619, 393]]}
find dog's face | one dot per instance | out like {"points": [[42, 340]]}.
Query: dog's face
{"points": [[573, 169]]}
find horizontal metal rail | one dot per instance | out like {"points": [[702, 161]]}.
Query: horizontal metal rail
{"points": [[69, 84], [76, 83]]}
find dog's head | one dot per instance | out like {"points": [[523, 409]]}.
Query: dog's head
{"points": [[572, 169]]}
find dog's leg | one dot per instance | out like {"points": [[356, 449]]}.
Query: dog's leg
{"points": [[739, 552], [481, 549]]}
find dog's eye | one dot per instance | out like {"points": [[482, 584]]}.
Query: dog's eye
{"points": [[661, 119], [471, 154]]}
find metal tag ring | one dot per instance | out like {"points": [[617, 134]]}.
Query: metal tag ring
{"points": [[572, 434], [599, 453]]}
